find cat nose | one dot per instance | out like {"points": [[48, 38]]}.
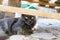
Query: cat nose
{"points": [[31, 22]]}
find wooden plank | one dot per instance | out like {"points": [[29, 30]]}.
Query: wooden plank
{"points": [[15, 3], [29, 12], [1, 1]]}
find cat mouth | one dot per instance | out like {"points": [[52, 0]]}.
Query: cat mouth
{"points": [[29, 23]]}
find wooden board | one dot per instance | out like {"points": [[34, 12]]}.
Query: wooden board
{"points": [[15, 3], [29, 12], [1, 1]]}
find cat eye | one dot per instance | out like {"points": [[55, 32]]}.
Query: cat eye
{"points": [[26, 17], [32, 17]]}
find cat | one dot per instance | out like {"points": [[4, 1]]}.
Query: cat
{"points": [[15, 26], [5, 26], [21, 25], [3, 35], [24, 25]]}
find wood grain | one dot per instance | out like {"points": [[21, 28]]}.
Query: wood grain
{"points": [[29, 12], [1, 1], [15, 3]]}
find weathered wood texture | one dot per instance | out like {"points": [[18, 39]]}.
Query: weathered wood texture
{"points": [[1, 1], [30, 12], [9, 14], [15, 3]]}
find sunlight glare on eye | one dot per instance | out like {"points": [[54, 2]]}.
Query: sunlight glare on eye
{"points": [[26, 17], [32, 17]]}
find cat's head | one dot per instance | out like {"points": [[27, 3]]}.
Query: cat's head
{"points": [[29, 19], [28, 23]]}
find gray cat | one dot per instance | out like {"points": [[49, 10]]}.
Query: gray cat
{"points": [[21, 25], [24, 25]]}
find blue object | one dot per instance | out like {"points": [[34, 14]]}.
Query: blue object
{"points": [[24, 5]]}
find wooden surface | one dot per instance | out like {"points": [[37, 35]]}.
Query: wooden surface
{"points": [[1, 1], [15, 3], [29, 12]]}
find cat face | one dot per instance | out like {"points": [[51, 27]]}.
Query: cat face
{"points": [[28, 19]]}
